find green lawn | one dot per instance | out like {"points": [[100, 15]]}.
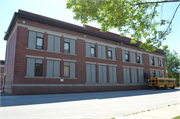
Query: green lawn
{"points": [[178, 117]]}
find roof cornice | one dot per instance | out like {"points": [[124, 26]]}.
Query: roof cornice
{"points": [[52, 23]]}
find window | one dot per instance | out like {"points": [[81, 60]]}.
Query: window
{"points": [[161, 75], [127, 57], [66, 47], [35, 40], [159, 62], [102, 52], [153, 74], [52, 68], [34, 67], [92, 51], [69, 46], [39, 43], [69, 70], [90, 73], [152, 61], [53, 43], [109, 54], [138, 59], [66, 71], [38, 69]]}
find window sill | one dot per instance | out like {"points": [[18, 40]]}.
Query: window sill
{"points": [[112, 60], [53, 77], [69, 78], [53, 52], [34, 49], [102, 58], [32, 77], [126, 62], [69, 54], [91, 57]]}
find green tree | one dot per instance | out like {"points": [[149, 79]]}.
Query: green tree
{"points": [[134, 17], [172, 63]]}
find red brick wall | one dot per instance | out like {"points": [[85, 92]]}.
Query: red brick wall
{"points": [[1, 75], [9, 67], [16, 68]]}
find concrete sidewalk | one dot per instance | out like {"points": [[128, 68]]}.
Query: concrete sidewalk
{"points": [[168, 112]]}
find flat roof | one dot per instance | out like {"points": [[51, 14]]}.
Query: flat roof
{"points": [[65, 26]]}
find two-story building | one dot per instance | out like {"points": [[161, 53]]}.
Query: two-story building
{"points": [[48, 56]]}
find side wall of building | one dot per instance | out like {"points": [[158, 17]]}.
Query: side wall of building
{"points": [[10, 62]]}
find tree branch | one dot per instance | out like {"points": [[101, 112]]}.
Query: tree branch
{"points": [[157, 2]]}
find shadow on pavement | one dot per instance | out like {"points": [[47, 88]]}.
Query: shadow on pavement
{"points": [[55, 98]]}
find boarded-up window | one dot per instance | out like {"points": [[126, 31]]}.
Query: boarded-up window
{"points": [[101, 51], [133, 57], [102, 73], [126, 74], [71, 70], [53, 43], [90, 73], [112, 74], [156, 61], [134, 75], [161, 62], [141, 75], [53, 68], [157, 73]]}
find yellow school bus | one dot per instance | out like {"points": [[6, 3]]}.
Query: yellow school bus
{"points": [[155, 82]]}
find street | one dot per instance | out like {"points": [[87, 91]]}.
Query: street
{"points": [[100, 105]]}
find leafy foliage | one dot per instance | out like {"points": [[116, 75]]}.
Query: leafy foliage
{"points": [[133, 17], [172, 63]]}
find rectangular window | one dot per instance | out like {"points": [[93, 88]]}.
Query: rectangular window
{"points": [[138, 59], [109, 54], [152, 61], [153, 74], [53, 68], [102, 73], [102, 52], [159, 62], [90, 73], [126, 75], [34, 67], [161, 75], [39, 43], [38, 69], [35, 40], [66, 71], [53, 43], [66, 47], [92, 51], [127, 57]]}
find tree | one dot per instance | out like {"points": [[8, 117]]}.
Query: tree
{"points": [[172, 63], [134, 17]]}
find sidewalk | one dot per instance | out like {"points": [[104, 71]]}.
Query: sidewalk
{"points": [[168, 112]]}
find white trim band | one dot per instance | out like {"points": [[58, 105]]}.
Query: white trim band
{"points": [[30, 56]]}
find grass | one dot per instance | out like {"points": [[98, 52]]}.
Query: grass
{"points": [[169, 105], [178, 117], [113, 118]]}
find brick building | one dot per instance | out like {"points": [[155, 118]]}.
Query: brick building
{"points": [[2, 62], [46, 56]]}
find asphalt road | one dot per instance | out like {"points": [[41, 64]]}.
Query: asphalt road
{"points": [[101, 105]]}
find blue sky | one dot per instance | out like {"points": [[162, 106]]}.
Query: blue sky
{"points": [[57, 9]]}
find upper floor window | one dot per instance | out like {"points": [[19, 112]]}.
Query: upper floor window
{"points": [[66, 47], [127, 57], [109, 54], [35, 40], [39, 43], [92, 51], [152, 61], [159, 62], [138, 59], [102, 52], [69, 46], [53, 43]]}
